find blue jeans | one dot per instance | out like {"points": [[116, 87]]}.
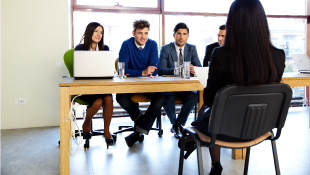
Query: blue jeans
{"points": [[153, 111], [190, 98]]}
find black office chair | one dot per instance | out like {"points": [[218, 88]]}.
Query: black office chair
{"points": [[138, 98], [243, 112]]}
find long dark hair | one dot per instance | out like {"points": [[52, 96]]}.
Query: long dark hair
{"points": [[248, 39], [87, 37]]}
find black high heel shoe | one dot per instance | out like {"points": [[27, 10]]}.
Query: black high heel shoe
{"points": [[190, 146], [111, 141], [86, 135], [216, 169]]}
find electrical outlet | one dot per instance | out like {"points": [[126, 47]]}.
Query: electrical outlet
{"points": [[20, 101]]}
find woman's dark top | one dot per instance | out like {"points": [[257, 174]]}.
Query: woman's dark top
{"points": [[220, 76], [81, 47], [90, 99]]}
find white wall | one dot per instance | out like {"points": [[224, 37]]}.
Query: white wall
{"points": [[34, 35]]}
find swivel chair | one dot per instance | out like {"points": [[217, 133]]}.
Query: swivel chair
{"points": [[249, 112], [139, 98]]}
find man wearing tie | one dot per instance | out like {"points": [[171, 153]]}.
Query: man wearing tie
{"points": [[178, 51]]}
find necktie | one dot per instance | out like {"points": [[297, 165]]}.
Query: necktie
{"points": [[181, 57], [140, 48]]}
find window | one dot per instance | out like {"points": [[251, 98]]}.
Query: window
{"points": [[203, 6], [119, 3], [288, 34]]}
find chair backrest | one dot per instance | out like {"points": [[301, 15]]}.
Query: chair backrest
{"points": [[248, 112], [68, 59]]}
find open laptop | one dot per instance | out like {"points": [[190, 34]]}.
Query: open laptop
{"points": [[93, 64], [302, 62], [202, 74]]}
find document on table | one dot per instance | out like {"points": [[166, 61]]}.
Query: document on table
{"points": [[202, 73]]}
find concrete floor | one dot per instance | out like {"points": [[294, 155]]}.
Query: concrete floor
{"points": [[35, 151]]}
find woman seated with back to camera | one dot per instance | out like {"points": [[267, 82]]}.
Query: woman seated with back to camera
{"points": [[93, 41], [247, 58]]}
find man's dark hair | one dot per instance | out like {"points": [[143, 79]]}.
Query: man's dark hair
{"points": [[140, 24], [223, 27], [87, 36], [180, 25], [248, 39]]}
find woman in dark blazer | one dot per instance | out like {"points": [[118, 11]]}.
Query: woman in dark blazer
{"points": [[93, 41], [247, 58]]}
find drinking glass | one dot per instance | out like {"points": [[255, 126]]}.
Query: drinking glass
{"points": [[121, 69], [176, 68], [187, 69]]}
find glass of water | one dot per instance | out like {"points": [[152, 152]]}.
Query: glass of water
{"points": [[187, 69], [176, 68], [121, 69]]}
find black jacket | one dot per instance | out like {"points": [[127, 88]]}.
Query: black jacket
{"points": [[220, 73], [209, 50]]}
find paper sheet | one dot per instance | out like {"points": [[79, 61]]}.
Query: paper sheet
{"points": [[202, 74]]}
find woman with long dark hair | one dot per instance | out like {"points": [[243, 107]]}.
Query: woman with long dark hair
{"points": [[93, 41], [247, 58]]}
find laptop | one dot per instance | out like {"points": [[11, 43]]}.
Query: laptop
{"points": [[302, 62], [93, 64], [202, 73]]}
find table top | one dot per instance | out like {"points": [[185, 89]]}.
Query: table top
{"points": [[126, 81], [293, 79]]}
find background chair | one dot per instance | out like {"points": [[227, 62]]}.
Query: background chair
{"points": [[68, 59], [243, 112], [139, 98]]}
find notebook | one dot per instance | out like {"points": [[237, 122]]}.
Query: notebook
{"points": [[93, 64], [202, 73], [302, 62]]}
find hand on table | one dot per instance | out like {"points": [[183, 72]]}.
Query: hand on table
{"points": [[149, 71]]}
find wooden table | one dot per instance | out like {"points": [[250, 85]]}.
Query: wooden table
{"points": [[69, 86]]}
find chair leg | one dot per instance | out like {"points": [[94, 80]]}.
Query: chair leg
{"points": [[181, 160], [199, 157], [160, 132], [275, 157], [195, 111], [124, 130], [246, 163]]}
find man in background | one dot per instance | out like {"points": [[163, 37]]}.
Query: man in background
{"points": [[209, 48]]}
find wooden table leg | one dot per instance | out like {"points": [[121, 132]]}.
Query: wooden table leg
{"points": [[200, 99], [238, 154], [64, 131]]}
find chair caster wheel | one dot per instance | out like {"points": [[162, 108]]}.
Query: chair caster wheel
{"points": [[86, 145], [160, 133], [141, 138], [119, 128], [59, 142]]}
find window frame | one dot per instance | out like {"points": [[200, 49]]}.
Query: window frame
{"points": [[161, 10]]}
